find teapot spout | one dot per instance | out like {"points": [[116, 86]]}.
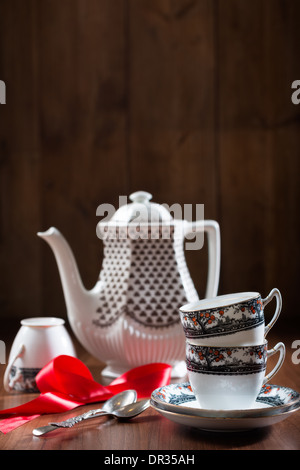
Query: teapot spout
{"points": [[74, 292]]}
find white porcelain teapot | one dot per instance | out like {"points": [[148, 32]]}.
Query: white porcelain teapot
{"points": [[131, 316]]}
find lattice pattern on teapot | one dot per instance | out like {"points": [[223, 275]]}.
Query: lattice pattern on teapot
{"points": [[114, 276], [144, 279]]}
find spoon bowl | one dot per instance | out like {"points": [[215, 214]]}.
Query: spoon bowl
{"points": [[119, 401], [127, 411]]}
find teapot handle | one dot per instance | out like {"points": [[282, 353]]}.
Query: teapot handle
{"points": [[211, 227]]}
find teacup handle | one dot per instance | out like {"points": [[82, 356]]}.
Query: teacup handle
{"points": [[281, 348], [211, 227], [19, 353], [274, 293]]}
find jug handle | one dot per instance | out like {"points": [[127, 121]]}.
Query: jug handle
{"points": [[19, 353], [212, 228]]}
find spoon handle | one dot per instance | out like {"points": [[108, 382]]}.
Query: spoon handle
{"points": [[69, 423]]}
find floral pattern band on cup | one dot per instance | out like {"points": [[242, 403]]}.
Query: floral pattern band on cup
{"points": [[226, 360], [223, 320]]}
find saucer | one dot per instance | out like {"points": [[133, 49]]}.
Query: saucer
{"points": [[177, 402]]}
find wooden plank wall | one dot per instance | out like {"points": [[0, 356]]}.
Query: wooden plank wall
{"points": [[189, 100]]}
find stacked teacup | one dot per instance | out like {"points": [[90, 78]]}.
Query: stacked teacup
{"points": [[227, 350]]}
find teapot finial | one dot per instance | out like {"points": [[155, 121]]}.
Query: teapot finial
{"points": [[140, 196]]}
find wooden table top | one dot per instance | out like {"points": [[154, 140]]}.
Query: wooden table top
{"points": [[151, 431]]}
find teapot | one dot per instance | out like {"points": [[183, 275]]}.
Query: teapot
{"points": [[131, 316]]}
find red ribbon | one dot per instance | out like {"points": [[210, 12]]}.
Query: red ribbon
{"points": [[66, 383]]}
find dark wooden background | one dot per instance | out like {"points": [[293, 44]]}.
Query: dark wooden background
{"points": [[189, 100]]}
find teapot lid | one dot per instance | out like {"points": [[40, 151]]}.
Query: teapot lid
{"points": [[141, 210]]}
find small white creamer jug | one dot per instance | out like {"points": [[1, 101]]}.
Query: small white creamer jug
{"points": [[38, 341]]}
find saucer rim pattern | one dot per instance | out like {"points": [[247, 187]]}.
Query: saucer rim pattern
{"points": [[269, 395]]}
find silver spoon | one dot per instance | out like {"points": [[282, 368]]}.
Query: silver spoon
{"points": [[116, 402], [126, 412]]}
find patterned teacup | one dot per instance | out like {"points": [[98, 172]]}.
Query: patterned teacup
{"points": [[229, 319], [224, 378]]}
